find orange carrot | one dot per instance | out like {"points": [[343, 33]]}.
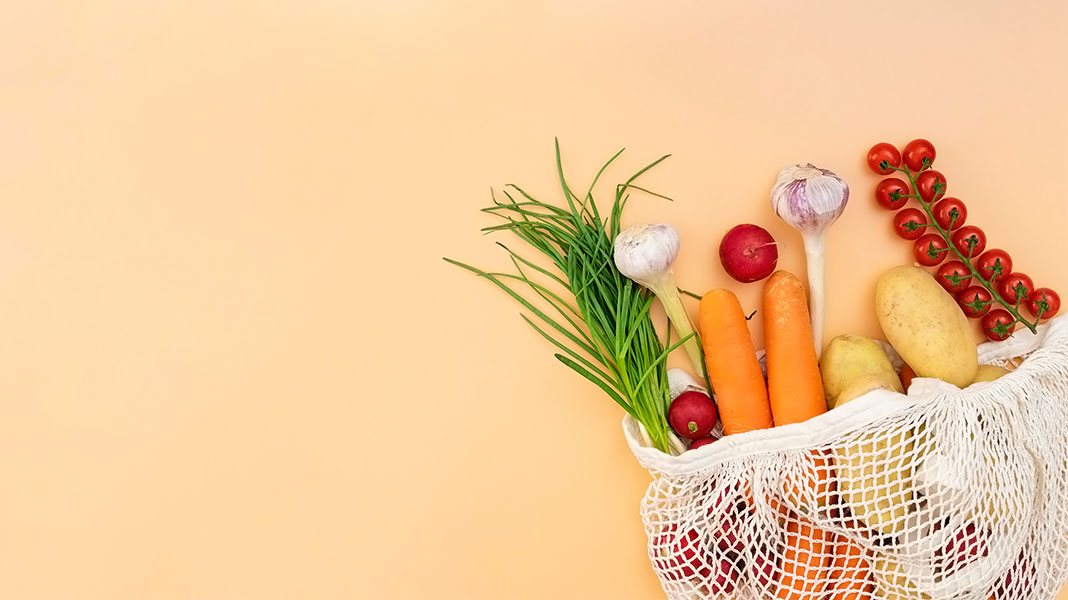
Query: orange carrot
{"points": [[850, 571], [795, 392], [813, 484], [732, 365], [806, 556], [795, 388]]}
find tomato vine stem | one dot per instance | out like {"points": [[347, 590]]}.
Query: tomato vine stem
{"points": [[1014, 311]]}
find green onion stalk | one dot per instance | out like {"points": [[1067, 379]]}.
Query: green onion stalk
{"points": [[597, 319]]}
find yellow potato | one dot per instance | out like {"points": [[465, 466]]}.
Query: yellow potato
{"points": [[850, 357], [873, 475], [989, 373], [862, 385], [875, 480], [926, 326], [891, 583]]}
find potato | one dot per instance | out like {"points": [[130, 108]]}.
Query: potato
{"points": [[850, 357], [873, 475], [925, 325], [891, 582], [864, 384], [875, 480], [989, 373]]}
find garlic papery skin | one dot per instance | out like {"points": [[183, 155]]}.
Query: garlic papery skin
{"points": [[646, 255], [680, 382], [810, 200]]}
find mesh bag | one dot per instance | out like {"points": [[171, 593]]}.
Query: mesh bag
{"points": [[941, 494]]}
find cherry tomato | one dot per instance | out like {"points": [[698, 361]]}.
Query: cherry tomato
{"points": [[910, 223], [883, 152], [888, 190], [930, 185], [969, 240], [998, 325], [974, 301], [954, 276], [944, 213], [917, 153], [930, 249], [1043, 303], [1009, 286], [994, 264]]}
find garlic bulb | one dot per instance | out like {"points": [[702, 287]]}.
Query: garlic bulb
{"points": [[810, 199], [646, 255]]}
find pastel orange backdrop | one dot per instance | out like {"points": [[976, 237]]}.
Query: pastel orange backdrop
{"points": [[233, 363]]}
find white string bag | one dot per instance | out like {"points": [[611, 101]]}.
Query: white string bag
{"points": [[943, 494]]}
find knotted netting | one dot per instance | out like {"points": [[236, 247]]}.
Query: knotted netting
{"points": [[941, 494]]}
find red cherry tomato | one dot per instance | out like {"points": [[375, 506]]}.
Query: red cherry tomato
{"points": [[969, 240], [998, 325], [910, 223], [974, 301], [994, 264], [1044, 303], [930, 185], [883, 152], [918, 154], [945, 216], [1009, 287], [954, 276], [930, 249], [888, 190]]}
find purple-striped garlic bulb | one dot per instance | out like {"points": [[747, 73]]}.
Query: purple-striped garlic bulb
{"points": [[810, 199]]}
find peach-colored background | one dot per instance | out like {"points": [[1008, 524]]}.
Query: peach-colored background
{"points": [[232, 362]]}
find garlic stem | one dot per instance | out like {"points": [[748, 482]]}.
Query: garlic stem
{"points": [[668, 294], [810, 200], [814, 245], [645, 254]]}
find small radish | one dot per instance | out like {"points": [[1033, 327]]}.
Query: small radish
{"points": [[748, 253], [724, 579], [693, 415], [968, 544], [762, 567], [727, 538], [679, 556], [1019, 581], [907, 375], [702, 442], [724, 521]]}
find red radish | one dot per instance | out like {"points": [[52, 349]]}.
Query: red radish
{"points": [[727, 537], [1019, 581], [702, 442], [724, 579], [968, 544], [724, 522], [693, 415], [762, 567], [748, 253], [679, 556], [907, 375]]}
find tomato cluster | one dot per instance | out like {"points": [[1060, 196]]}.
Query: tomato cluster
{"points": [[938, 232]]}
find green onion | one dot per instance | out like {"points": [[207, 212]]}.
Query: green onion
{"points": [[603, 331]]}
